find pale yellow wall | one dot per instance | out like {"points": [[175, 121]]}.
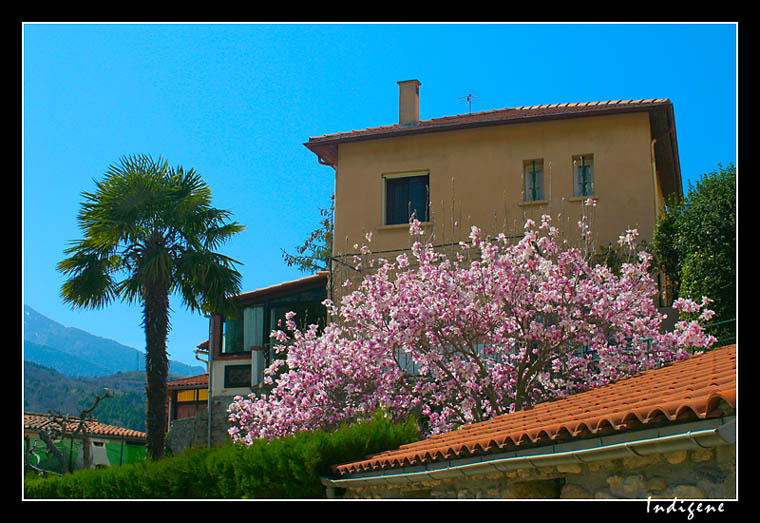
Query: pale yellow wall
{"points": [[485, 165], [217, 378]]}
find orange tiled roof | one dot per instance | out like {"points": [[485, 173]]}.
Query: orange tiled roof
{"points": [[202, 379], [681, 391], [34, 422], [325, 146]]}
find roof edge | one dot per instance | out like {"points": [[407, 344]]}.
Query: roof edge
{"points": [[325, 147], [481, 119], [701, 434], [305, 283]]}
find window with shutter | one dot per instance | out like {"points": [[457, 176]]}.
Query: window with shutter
{"points": [[406, 196], [534, 180], [583, 175]]}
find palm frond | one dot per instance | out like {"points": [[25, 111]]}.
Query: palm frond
{"points": [[148, 219], [90, 282], [206, 279]]}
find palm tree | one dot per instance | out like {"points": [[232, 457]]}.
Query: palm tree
{"points": [[150, 232]]}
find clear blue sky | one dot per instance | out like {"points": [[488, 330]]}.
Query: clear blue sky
{"points": [[236, 102]]}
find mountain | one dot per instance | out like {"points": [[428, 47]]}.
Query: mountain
{"points": [[66, 363], [47, 390], [75, 352]]}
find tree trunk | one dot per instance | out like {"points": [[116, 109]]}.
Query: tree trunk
{"points": [[86, 452], [156, 324], [54, 450]]}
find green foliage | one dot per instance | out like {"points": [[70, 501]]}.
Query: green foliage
{"points": [[316, 252], [695, 242], [149, 223], [122, 410], [48, 390], [286, 468]]}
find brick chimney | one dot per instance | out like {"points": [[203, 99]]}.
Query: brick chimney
{"points": [[409, 103]]}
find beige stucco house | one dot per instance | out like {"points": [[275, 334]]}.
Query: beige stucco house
{"points": [[495, 169]]}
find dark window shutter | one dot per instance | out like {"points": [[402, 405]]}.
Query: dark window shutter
{"points": [[404, 196]]}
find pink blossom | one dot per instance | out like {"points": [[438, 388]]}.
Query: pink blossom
{"points": [[415, 228], [629, 238], [458, 343]]}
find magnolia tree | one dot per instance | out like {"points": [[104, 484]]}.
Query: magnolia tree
{"points": [[457, 341]]}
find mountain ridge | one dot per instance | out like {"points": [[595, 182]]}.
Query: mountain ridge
{"points": [[76, 352]]}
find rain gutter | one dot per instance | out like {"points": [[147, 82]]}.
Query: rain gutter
{"points": [[701, 434], [654, 175], [210, 376]]}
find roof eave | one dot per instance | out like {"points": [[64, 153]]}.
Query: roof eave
{"points": [[192, 386], [429, 126], [326, 147], [708, 433], [281, 289]]}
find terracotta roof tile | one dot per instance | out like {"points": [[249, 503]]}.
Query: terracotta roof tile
{"points": [[680, 391], [34, 422], [189, 382], [325, 145], [497, 114]]}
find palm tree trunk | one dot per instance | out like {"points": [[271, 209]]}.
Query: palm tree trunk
{"points": [[156, 324]]}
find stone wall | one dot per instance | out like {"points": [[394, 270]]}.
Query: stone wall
{"points": [[219, 423], [193, 432], [692, 474], [187, 432]]}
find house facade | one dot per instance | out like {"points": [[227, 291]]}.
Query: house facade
{"points": [[496, 169], [493, 169], [186, 397], [665, 433], [239, 345], [109, 445], [187, 408]]}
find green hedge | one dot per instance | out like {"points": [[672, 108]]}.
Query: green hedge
{"points": [[283, 468]]}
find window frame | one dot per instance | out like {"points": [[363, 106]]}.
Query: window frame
{"points": [[223, 332], [533, 197], [393, 178], [243, 369], [241, 318], [580, 186]]}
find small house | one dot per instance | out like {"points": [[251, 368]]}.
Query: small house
{"points": [[109, 445]]}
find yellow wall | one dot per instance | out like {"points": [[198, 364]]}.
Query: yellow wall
{"points": [[192, 395], [476, 178]]}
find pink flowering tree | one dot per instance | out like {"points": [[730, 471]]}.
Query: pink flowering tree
{"points": [[495, 328]]}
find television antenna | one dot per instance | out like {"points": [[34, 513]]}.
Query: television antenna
{"points": [[469, 98]]}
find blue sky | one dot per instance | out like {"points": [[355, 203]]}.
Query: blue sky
{"points": [[236, 102]]}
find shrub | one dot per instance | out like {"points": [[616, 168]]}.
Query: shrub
{"points": [[289, 467]]}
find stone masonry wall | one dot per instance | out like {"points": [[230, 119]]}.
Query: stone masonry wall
{"points": [[692, 474], [187, 432], [193, 432]]}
